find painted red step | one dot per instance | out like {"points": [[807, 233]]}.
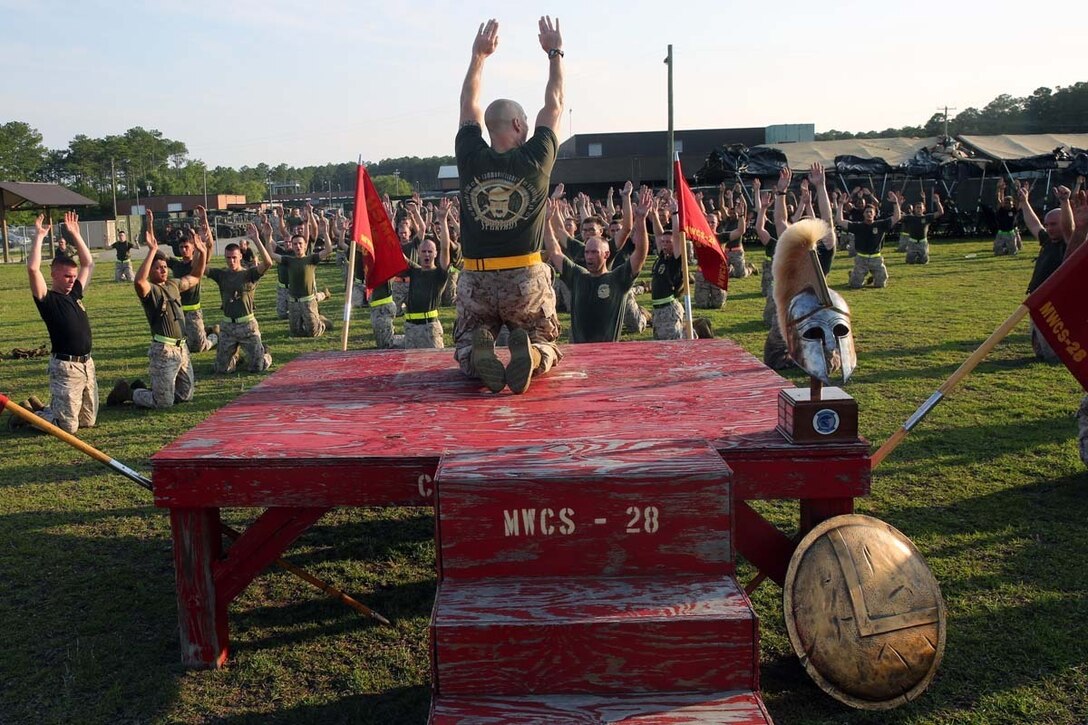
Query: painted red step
{"points": [[593, 507], [659, 708], [593, 635]]}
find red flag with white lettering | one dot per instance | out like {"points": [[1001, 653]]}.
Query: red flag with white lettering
{"points": [[1059, 308], [708, 252], [374, 233]]}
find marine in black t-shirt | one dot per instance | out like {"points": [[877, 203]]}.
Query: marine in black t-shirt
{"points": [[65, 318]]}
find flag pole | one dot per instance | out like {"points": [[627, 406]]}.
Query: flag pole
{"points": [[682, 241], [232, 534], [963, 371], [347, 296]]}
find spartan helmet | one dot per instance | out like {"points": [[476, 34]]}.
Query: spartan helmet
{"points": [[814, 320], [819, 334]]}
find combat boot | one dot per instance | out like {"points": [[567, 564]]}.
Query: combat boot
{"points": [[35, 404], [121, 393], [524, 359], [484, 361]]}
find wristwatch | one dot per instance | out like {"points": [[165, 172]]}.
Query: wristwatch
{"points": [[554, 52]]}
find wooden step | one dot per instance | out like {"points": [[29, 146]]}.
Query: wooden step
{"points": [[584, 508], [591, 635], [659, 708]]}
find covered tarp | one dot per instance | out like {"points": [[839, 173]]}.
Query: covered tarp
{"points": [[1014, 147], [850, 165], [893, 151], [728, 162]]}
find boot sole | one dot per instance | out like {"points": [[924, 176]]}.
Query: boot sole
{"points": [[519, 373], [487, 365]]}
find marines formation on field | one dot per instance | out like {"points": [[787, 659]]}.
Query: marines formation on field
{"points": [[505, 252]]}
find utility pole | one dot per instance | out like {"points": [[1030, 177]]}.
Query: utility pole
{"points": [[945, 110], [671, 145]]}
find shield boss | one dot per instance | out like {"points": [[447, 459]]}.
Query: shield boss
{"points": [[864, 612]]}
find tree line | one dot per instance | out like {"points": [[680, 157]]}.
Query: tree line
{"points": [[1064, 110], [143, 162]]}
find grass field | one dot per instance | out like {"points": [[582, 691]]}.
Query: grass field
{"points": [[990, 488]]}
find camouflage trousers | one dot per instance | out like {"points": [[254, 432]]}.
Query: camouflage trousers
{"points": [[281, 302], [846, 241], [863, 266], [917, 250], [358, 293], [381, 322], [634, 321], [1041, 347], [303, 319], [1007, 243], [425, 336], [766, 282], [562, 295], [738, 265], [706, 296], [770, 310], [1082, 429], [245, 336], [522, 297], [172, 379], [449, 292], [195, 336], [669, 321], [400, 295], [73, 391], [776, 353], [122, 271]]}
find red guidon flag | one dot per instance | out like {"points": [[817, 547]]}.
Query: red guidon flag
{"points": [[374, 233], [1060, 310], [708, 252]]}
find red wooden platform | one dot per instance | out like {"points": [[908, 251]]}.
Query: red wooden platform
{"points": [[370, 429]]}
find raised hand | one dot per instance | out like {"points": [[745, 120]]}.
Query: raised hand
{"points": [[40, 228], [756, 185], [628, 188], [557, 192], [550, 38], [784, 178], [487, 38], [1062, 192], [149, 234], [816, 173], [645, 202]]}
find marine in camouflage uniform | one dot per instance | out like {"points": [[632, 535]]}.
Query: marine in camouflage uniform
{"points": [[1007, 238], [72, 382], [666, 282], [868, 243], [122, 269], [504, 189], [426, 280], [1052, 247], [239, 328], [172, 379], [303, 317], [916, 230], [195, 335]]}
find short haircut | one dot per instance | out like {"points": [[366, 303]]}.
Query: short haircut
{"points": [[160, 257], [594, 220], [60, 259], [232, 247]]}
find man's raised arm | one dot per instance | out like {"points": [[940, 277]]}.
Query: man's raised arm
{"points": [[552, 43], [38, 288], [487, 39], [86, 260]]}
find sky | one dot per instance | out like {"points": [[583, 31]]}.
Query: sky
{"points": [[242, 81]]}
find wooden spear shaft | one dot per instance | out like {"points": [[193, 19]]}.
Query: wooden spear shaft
{"points": [[232, 534], [963, 371]]}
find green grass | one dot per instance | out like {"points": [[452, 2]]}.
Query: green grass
{"points": [[989, 487]]}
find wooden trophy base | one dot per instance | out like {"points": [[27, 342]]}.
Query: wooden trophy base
{"points": [[832, 418]]}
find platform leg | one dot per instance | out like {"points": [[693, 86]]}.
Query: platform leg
{"points": [[815, 511], [202, 620]]}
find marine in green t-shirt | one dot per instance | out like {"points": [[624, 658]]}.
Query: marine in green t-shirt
{"points": [[597, 293]]}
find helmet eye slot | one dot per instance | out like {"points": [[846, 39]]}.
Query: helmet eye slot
{"points": [[813, 333]]}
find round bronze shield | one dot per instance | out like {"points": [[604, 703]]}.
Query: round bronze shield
{"points": [[864, 612]]}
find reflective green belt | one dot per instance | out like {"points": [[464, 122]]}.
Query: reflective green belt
{"points": [[176, 342], [662, 301], [307, 298], [383, 301], [923, 240], [429, 315], [282, 284], [237, 320], [190, 308], [869, 256]]}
